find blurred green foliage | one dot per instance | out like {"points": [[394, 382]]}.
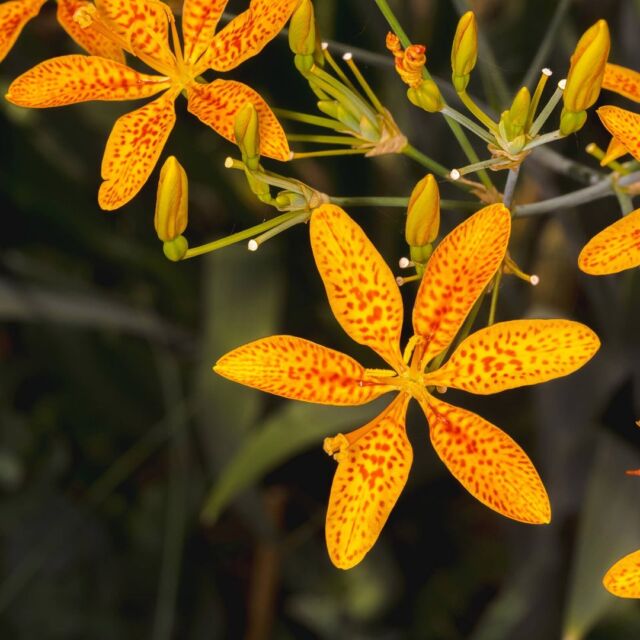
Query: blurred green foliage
{"points": [[115, 434]]}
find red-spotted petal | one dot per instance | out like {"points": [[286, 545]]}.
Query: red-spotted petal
{"points": [[76, 78], [247, 34], [456, 274], [133, 148], [513, 354], [88, 38], [13, 16], [301, 370], [623, 579], [144, 25], [487, 462], [623, 125], [217, 103], [622, 80], [199, 21], [373, 466], [362, 291], [614, 249]]}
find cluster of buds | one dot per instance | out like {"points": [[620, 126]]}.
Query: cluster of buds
{"points": [[410, 65], [422, 226]]}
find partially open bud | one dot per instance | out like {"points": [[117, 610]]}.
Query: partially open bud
{"points": [[584, 81], [427, 96], [172, 201], [423, 213], [247, 133], [513, 122], [302, 35], [464, 51]]}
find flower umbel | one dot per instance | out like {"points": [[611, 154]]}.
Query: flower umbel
{"points": [[142, 28], [374, 460]]}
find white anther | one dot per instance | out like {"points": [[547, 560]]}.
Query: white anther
{"points": [[228, 163], [404, 263], [455, 174], [562, 84], [547, 72], [440, 389], [534, 280], [325, 46], [400, 281], [252, 245], [347, 56]]}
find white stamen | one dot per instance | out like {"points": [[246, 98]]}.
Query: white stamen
{"points": [[347, 56], [405, 263], [455, 174], [325, 46], [228, 163], [547, 72], [562, 84], [252, 245], [534, 280], [400, 281]]}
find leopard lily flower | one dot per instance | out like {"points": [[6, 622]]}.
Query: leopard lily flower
{"points": [[617, 247], [142, 28], [15, 14], [374, 460]]}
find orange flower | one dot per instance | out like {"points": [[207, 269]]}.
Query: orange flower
{"points": [[15, 14], [142, 27], [374, 460], [623, 579]]}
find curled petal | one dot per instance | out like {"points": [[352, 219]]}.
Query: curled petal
{"points": [[13, 16], [373, 467], [362, 291], [88, 38], [199, 21], [456, 274], [624, 81], [623, 579], [487, 462], [301, 370], [513, 354], [614, 249], [76, 78], [144, 25], [247, 34], [623, 125], [217, 103], [133, 148]]}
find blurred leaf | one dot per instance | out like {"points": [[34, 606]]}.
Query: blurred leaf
{"points": [[609, 529], [293, 429]]}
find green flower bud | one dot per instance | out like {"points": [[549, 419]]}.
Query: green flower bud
{"points": [[571, 121], [172, 201], [302, 30], [175, 249], [246, 128], [427, 96], [423, 213], [464, 51]]}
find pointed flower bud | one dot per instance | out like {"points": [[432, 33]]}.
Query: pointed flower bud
{"points": [[302, 29], [464, 51], [423, 213], [172, 208], [587, 69], [513, 122], [247, 134]]}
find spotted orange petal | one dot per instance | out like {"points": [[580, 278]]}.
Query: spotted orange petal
{"points": [[373, 466], [199, 21], [456, 274], [133, 148], [614, 249], [88, 38], [247, 34], [614, 151], [622, 80], [13, 16], [217, 103], [299, 369], [76, 78], [513, 354], [623, 125], [144, 24], [488, 463], [362, 291], [623, 579]]}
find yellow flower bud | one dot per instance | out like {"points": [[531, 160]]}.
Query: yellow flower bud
{"points": [[588, 64], [512, 122], [246, 128], [302, 29], [427, 96], [423, 213], [464, 51], [172, 201]]}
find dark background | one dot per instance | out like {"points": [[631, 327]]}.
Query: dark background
{"points": [[115, 434]]}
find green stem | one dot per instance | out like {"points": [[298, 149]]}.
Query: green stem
{"points": [[494, 297], [477, 111], [307, 118], [302, 137], [413, 153], [468, 124], [240, 236], [327, 153]]}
